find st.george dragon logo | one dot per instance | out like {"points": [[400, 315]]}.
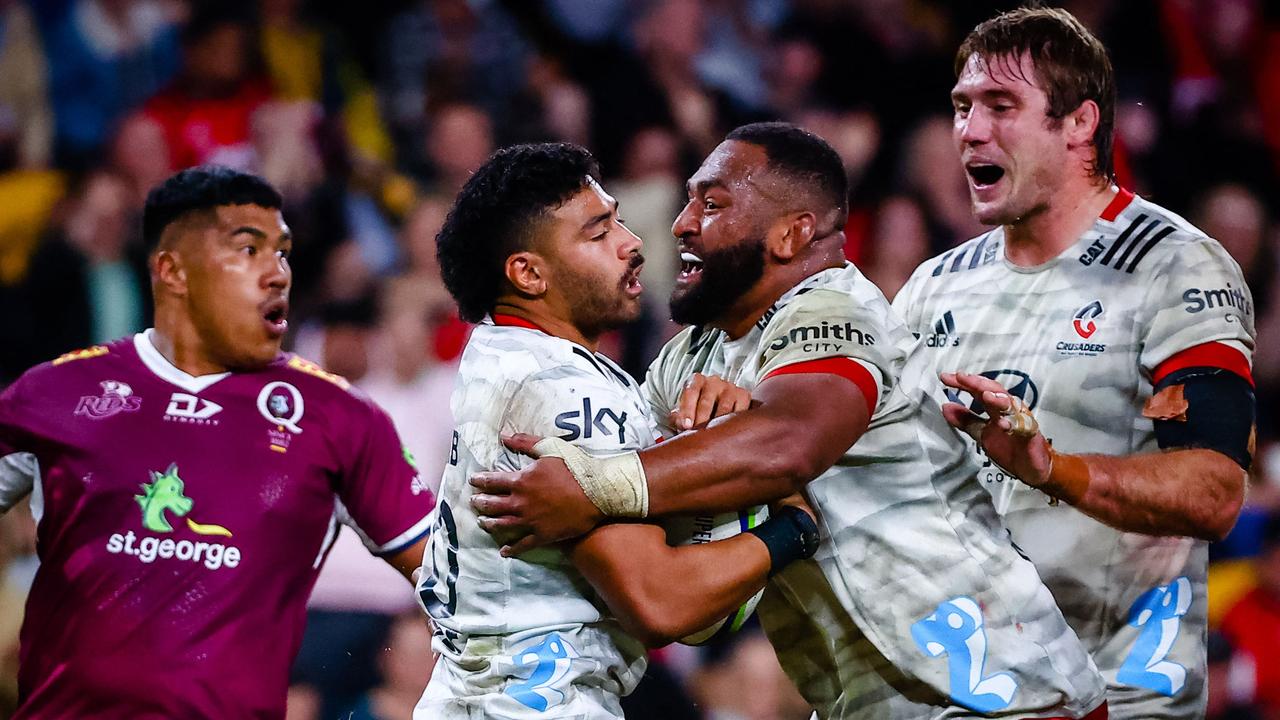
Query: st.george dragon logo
{"points": [[164, 496]]}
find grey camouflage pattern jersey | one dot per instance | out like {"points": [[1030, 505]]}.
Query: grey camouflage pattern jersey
{"points": [[916, 605], [526, 636], [1080, 339]]}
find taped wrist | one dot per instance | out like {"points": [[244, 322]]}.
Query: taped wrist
{"points": [[790, 535], [616, 485], [1068, 478]]}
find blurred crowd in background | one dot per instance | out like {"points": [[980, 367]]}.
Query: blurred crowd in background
{"points": [[368, 116]]}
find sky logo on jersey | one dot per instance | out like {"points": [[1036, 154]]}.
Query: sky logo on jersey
{"points": [[165, 495], [585, 423], [116, 397], [944, 332], [956, 629], [185, 408]]}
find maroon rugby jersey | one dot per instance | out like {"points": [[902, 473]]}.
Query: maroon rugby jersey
{"points": [[181, 523]]}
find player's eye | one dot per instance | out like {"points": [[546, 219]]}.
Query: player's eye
{"points": [[621, 221], [249, 250], [709, 204]]}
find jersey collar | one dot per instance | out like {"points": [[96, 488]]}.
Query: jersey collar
{"points": [[165, 370]]}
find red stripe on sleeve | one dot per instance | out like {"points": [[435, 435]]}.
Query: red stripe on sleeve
{"points": [[1211, 354], [1117, 205], [846, 368]]}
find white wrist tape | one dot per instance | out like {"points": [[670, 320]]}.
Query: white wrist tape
{"points": [[616, 485]]}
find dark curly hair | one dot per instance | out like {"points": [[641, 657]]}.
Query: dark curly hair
{"points": [[497, 212], [201, 189]]}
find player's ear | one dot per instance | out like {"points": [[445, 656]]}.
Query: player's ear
{"points": [[527, 273], [169, 271], [1081, 123], [791, 235]]}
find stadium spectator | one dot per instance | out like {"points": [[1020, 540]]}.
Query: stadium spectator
{"points": [[25, 115], [1253, 624]]}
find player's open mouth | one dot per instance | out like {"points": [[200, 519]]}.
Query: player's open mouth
{"points": [[275, 315], [690, 266], [983, 175], [631, 281]]}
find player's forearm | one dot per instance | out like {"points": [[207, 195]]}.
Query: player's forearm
{"points": [[736, 464], [1195, 493], [661, 593], [800, 427]]}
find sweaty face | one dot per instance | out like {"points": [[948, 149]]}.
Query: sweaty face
{"points": [[720, 234], [1014, 154], [595, 263], [238, 278]]}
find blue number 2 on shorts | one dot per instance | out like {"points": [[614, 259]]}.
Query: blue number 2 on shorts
{"points": [[955, 629], [1157, 614], [550, 660]]}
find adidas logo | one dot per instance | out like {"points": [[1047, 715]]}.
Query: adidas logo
{"points": [[944, 332]]}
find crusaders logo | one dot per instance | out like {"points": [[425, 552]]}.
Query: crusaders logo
{"points": [[1083, 323]]}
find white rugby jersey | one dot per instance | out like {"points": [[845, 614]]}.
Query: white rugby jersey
{"points": [[531, 626], [1081, 339], [916, 604]]}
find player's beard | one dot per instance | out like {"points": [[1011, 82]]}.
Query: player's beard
{"points": [[598, 304], [727, 275]]}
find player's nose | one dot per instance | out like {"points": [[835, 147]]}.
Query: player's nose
{"points": [[630, 245], [974, 128], [279, 276], [686, 223]]}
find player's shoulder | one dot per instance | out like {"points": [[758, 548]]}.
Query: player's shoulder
{"points": [[105, 359], [1144, 238], [977, 252], [294, 377], [832, 294], [519, 356]]}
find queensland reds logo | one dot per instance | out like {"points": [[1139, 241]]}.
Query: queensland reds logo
{"points": [[1083, 322], [281, 403]]}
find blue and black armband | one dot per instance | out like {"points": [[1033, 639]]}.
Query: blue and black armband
{"points": [[1205, 407], [790, 535]]}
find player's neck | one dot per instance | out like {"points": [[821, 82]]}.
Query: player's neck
{"points": [[180, 344], [747, 311], [1043, 236], [524, 316]]}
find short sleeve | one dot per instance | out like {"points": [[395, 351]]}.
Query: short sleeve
{"points": [[825, 325], [19, 469], [905, 302], [1201, 313], [662, 386], [381, 491]]}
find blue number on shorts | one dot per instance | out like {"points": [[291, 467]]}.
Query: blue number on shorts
{"points": [[1157, 614], [550, 660], [955, 629]]}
